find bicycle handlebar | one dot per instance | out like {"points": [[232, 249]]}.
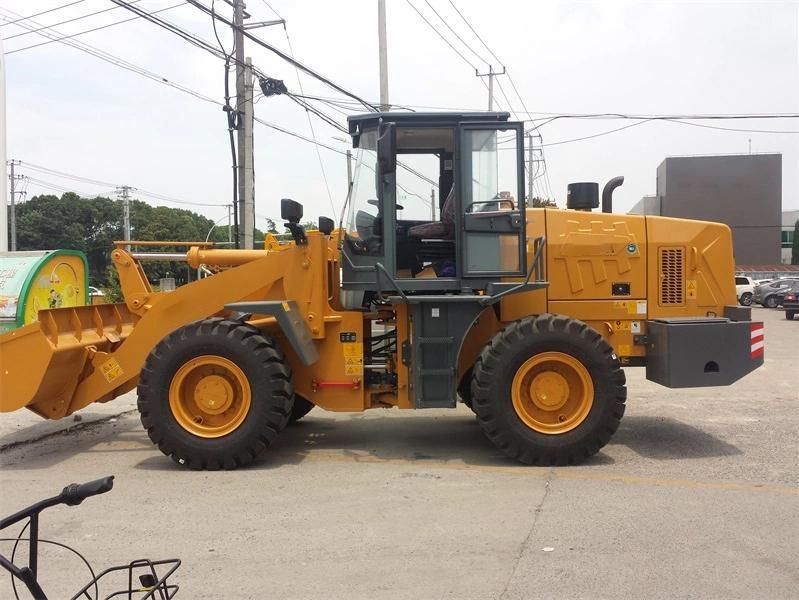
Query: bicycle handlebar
{"points": [[71, 495], [75, 493]]}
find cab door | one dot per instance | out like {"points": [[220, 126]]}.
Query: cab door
{"points": [[491, 216]]}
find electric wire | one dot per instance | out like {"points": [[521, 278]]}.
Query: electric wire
{"points": [[282, 55], [44, 12], [455, 33], [439, 34], [73, 19], [307, 111], [85, 31]]}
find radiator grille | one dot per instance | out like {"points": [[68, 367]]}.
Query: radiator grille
{"points": [[671, 276]]}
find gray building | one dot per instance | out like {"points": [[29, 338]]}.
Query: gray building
{"points": [[744, 191]]}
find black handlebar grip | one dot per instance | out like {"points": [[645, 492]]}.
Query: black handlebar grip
{"points": [[75, 493]]}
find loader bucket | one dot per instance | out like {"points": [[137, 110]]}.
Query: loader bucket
{"points": [[42, 363]]}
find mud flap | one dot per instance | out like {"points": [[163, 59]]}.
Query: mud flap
{"points": [[291, 323]]}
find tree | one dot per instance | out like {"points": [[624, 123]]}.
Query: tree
{"points": [[542, 202], [795, 249], [91, 225]]}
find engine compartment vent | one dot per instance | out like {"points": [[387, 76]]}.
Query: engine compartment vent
{"points": [[671, 276]]}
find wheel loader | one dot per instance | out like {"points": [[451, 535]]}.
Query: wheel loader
{"points": [[529, 316]]}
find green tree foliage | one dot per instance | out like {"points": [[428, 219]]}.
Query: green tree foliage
{"points": [[542, 202], [91, 225], [795, 249]]}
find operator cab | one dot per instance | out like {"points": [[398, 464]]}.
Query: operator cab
{"points": [[437, 202]]}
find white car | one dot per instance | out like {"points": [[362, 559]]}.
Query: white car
{"points": [[744, 289], [93, 291]]}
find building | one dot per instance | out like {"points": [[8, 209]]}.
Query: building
{"points": [[744, 191], [789, 219]]}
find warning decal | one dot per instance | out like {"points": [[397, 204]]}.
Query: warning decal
{"points": [[111, 370], [690, 289], [353, 358]]}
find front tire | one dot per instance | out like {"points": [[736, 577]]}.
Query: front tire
{"points": [[300, 408], [549, 390], [214, 394], [789, 314], [746, 299]]}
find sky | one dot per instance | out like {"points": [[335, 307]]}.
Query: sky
{"points": [[71, 112]]}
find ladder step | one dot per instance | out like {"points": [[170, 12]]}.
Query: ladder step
{"points": [[436, 340], [425, 372]]}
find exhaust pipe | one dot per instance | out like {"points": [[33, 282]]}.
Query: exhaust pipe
{"points": [[607, 193]]}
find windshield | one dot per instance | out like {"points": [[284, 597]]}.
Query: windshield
{"points": [[363, 218]]}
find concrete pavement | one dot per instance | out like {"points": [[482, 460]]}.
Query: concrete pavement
{"points": [[697, 496]]}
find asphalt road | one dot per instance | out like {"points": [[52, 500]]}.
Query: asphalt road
{"points": [[697, 496]]}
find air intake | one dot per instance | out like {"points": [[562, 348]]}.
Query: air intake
{"points": [[671, 276]]}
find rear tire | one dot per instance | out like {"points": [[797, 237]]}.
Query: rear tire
{"points": [[215, 394], [771, 302], [789, 314], [549, 390], [746, 299]]}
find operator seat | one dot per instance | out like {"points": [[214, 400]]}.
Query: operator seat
{"points": [[438, 230]]}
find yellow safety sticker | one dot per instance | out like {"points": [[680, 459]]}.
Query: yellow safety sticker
{"points": [[623, 349], [621, 325], [111, 370], [622, 304], [690, 289], [353, 358], [637, 307]]}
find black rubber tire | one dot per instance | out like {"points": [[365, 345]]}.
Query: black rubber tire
{"points": [[300, 408], [265, 368], [465, 389], [789, 314], [746, 299], [771, 302], [501, 359]]}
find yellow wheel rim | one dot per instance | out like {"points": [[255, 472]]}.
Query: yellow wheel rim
{"points": [[552, 392], [210, 396]]}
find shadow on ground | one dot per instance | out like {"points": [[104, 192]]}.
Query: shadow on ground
{"points": [[420, 439]]}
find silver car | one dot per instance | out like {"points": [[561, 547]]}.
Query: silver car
{"points": [[768, 294]]}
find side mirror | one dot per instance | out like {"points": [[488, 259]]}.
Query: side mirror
{"points": [[290, 210], [387, 148], [326, 225]]}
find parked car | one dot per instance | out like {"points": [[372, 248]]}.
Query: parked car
{"points": [[744, 289], [770, 294], [93, 291], [790, 301]]}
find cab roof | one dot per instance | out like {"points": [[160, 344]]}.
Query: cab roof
{"points": [[431, 119]]}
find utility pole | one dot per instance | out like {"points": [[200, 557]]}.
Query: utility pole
{"points": [[12, 212], [432, 204], [230, 224], [491, 74], [124, 194], [243, 124], [246, 174], [383, 52]]}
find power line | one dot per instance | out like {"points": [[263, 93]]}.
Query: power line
{"points": [[85, 31], [465, 20], [439, 34], [455, 33], [307, 113], [98, 182], [281, 54], [78, 18], [44, 12]]}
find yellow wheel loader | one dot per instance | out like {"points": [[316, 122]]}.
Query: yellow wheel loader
{"points": [[527, 315]]}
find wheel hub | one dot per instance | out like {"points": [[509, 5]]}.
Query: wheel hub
{"points": [[213, 394], [210, 396], [552, 392]]}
